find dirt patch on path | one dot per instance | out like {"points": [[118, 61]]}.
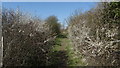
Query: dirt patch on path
{"points": [[58, 58]]}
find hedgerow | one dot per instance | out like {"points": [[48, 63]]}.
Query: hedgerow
{"points": [[27, 40], [95, 34]]}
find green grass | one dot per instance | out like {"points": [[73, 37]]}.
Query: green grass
{"points": [[57, 45], [63, 44], [74, 60]]}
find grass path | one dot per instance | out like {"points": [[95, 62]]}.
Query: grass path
{"points": [[63, 54]]}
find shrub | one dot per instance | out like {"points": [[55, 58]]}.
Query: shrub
{"points": [[95, 37], [27, 41]]}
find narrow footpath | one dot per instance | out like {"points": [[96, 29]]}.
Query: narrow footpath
{"points": [[63, 54]]}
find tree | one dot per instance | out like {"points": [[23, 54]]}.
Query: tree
{"points": [[52, 22]]}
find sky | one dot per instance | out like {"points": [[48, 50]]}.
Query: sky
{"points": [[59, 0], [45, 9]]}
